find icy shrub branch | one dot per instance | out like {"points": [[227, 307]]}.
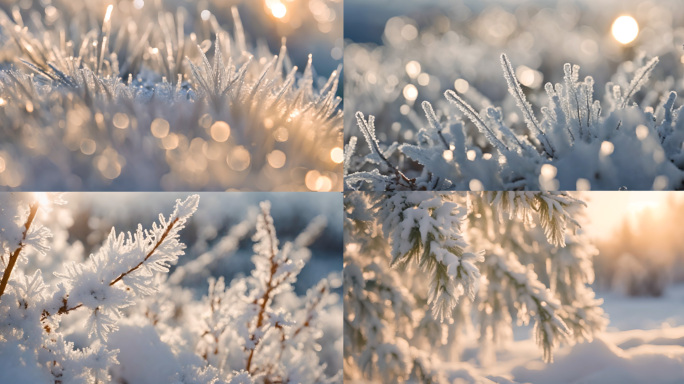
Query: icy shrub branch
{"points": [[131, 259], [141, 326]]}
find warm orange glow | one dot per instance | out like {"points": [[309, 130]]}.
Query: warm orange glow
{"points": [[220, 131], [606, 211], [317, 182], [159, 128], [276, 159]]}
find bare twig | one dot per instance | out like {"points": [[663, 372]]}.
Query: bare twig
{"points": [[15, 255]]}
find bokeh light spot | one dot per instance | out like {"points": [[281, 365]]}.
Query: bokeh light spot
{"points": [[276, 159], [337, 155], [410, 92], [607, 148], [121, 120], [159, 128], [220, 131]]}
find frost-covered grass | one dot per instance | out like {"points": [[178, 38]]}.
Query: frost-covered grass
{"points": [[129, 313], [162, 97], [490, 97]]}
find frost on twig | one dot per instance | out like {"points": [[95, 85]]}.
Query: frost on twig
{"points": [[131, 259], [14, 256], [252, 329]]}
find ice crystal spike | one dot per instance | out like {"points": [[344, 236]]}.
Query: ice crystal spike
{"points": [[85, 101]]}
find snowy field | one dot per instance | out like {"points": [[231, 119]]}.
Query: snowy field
{"points": [[643, 343]]}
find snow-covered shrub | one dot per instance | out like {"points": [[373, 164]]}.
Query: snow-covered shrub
{"points": [[421, 268], [161, 97], [118, 316], [579, 143], [437, 91]]}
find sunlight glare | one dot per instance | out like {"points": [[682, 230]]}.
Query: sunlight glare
{"points": [[278, 9], [625, 29], [606, 211], [42, 198], [337, 155]]}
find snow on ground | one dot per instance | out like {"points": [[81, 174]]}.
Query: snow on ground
{"points": [[644, 343]]}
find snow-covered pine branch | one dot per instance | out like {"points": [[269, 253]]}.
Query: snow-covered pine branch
{"points": [[531, 268], [424, 231]]}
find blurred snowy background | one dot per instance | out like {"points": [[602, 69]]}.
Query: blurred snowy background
{"points": [[640, 243]]}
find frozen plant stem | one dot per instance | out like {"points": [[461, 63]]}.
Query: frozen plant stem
{"points": [[64, 309], [270, 286], [103, 42], [516, 91], [470, 113], [161, 240], [368, 129], [15, 255]]}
